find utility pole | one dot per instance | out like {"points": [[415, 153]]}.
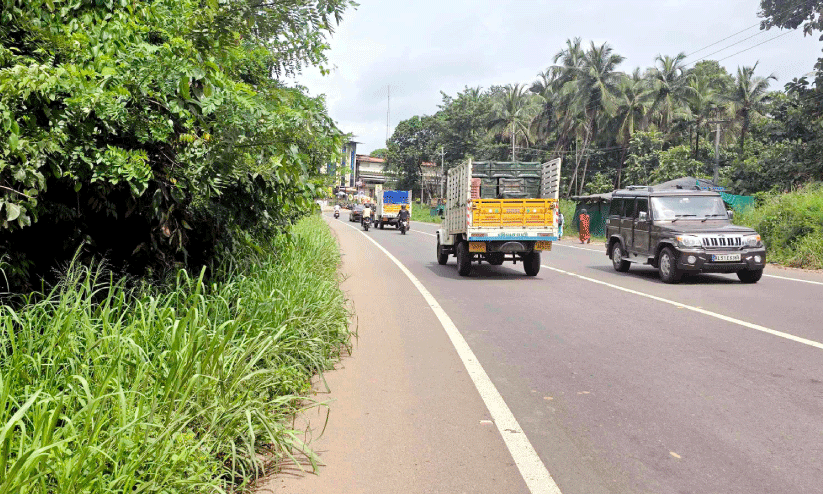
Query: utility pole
{"points": [[717, 131], [388, 114]]}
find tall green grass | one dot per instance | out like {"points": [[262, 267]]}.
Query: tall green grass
{"points": [[791, 225], [110, 388]]}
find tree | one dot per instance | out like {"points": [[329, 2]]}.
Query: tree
{"points": [[463, 120], [379, 153], [512, 114], [746, 97], [633, 100], [150, 132], [413, 142], [596, 86], [670, 85]]}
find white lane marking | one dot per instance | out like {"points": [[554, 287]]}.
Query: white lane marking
{"points": [[696, 309], [766, 275], [424, 233], [534, 472], [793, 279], [579, 248]]}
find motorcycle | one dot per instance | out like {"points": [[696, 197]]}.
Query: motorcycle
{"points": [[366, 223], [336, 214], [404, 225]]}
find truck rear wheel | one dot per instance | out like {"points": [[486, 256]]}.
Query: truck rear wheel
{"points": [[464, 259], [531, 263], [382, 224], [442, 254]]}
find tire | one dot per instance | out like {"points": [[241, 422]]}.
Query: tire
{"points": [[464, 259], [620, 264], [366, 226], [668, 267], [531, 263], [382, 225], [495, 258], [442, 255], [747, 276]]}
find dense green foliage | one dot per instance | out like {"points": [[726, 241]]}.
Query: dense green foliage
{"points": [[106, 388], [615, 128], [149, 131], [791, 225]]}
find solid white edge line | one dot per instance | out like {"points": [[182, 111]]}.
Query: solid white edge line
{"points": [[531, 467], [705, 312]]}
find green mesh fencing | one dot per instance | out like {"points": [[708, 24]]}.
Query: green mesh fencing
{"points": [[599, 214]]}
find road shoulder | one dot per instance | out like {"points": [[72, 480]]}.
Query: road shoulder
{"points": [[405, 416]]}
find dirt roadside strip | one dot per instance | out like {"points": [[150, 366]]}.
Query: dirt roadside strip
{"points": [[405, 416]]}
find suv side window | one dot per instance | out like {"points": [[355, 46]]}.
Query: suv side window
{"points": [[642, 206], [616, 208]]}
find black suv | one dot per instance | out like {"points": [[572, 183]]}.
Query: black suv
{"points": [[680, 231]]}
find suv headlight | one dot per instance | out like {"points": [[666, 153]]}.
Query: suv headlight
{"points": [[689, 241], [752, 241]]}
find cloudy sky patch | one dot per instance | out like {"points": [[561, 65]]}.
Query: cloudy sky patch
{"points": [[422, 47]]}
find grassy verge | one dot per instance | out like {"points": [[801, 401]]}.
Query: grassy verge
{"points": [[105, 388], [791, 226], [423, 213]]}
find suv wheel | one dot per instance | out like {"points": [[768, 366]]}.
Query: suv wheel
{"points": [[464, 259], [747, 276], [668, 266], [619, 263]]}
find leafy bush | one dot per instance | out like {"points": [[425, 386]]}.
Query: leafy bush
{"points": [[148, 131], [791, 225], [109, 389]]}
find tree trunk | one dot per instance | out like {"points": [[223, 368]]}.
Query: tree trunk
{"points": [[586, 141]]}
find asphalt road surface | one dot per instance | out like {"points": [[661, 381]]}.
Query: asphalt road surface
{"points": [[621, 384]]}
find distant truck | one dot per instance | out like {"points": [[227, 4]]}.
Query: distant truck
{"points": [[388, 205], [499, 211]]}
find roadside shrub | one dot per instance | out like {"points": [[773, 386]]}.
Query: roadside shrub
{"points": [[105, 388], [791, 225]]}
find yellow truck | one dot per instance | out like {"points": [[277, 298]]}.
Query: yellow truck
{"points": [[499, 211], [388, 203]]}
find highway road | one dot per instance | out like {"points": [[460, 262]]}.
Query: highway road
{"points": [[621, 383]]}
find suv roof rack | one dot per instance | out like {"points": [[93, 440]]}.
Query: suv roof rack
{"points": [[640, 187]]}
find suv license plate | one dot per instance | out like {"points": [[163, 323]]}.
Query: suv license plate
{"points": [[725, 257], [542, 245], [477, 246]]}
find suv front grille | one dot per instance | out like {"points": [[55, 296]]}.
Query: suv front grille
{"points": [[716, 242]]}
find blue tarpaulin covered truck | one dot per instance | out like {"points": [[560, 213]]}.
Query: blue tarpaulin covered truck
{"points": [[388, 205]]}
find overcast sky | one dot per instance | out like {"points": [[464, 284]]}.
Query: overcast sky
{"points": [[421, 47]]}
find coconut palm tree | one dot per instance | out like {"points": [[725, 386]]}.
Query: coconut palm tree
{"points": [[702, 99], [670, 84], [513, 112], [595, 88], [747, 97], [634, 97]]}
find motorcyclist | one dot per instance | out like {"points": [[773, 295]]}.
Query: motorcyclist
{"points": [[366, 213], [404, 215], [337, 208]]}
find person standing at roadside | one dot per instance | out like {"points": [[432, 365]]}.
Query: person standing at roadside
{"points": [[560, 220], [585, 221]]}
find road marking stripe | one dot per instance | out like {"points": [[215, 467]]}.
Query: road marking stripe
{"points": [[766, 275], [793, 279], [534, 472], [679, 305]]}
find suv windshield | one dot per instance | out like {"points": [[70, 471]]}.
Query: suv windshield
{"points": [[673, 207]]}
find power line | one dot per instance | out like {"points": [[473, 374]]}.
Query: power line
{"points": [[722, 40], [706, 57], [755, 46]]}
